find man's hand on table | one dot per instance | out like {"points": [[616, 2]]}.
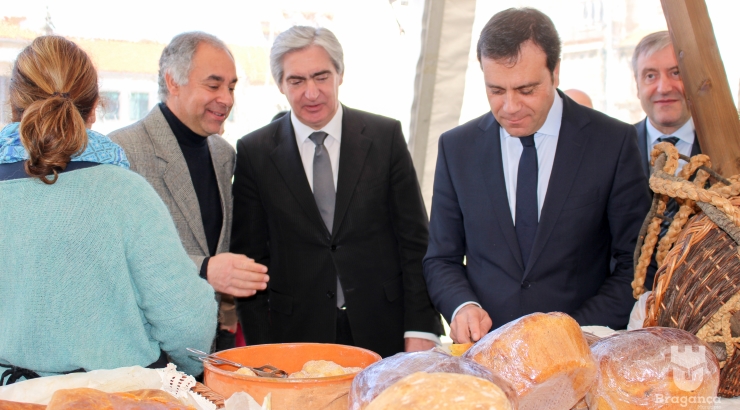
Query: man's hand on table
{"points": [[470, 324]]}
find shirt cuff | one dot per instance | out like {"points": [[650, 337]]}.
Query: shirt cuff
{"points": [[452, 319], [204, 268], [423, 335]]}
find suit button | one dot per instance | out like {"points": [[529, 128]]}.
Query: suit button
{"points": [[526, 284], [333, 248], [330, 294]]}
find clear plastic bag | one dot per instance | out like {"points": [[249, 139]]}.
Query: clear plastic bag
{"points": [[441, 391], [372, 381], [545, 358], [654, 368]]}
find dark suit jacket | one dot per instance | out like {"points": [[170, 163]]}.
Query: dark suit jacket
{"points": [[641, 128], [596, 200], [379, 238]]}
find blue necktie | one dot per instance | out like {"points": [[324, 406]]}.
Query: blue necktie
{"points": [[526, 219], [671, 208]]}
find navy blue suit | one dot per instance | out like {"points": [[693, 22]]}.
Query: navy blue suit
{"points": [[596, 200]]}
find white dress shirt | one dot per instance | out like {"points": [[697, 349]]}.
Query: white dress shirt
{"points": [[546, 142], [306, 148], [685, 143]]}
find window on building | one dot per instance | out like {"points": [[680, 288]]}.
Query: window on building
{"points": [[109, 105], [138, 106]]}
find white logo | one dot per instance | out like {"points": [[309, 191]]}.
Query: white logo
{"points": [[688, 365]]}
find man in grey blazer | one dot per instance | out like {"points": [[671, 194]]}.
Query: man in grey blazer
{"points": [[176, 147]]}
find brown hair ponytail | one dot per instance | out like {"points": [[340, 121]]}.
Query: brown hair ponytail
{"points": [[53, 91]]}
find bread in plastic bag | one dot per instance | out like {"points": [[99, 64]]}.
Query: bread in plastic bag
{"points": [[545, 358], [371, 382], [449, 391], [654, 368], [84, 398]]}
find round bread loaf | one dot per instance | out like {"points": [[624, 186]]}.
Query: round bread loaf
{"points": [[449, 391], [377, 377], [545, 358], [92, 399], [654, 368]]}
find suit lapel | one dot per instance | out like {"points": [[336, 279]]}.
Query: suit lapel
{"points": [[288, 161], [220, 158], [568, 154], [176, 175], [641, 128], [352, 154], [696, 148], [492, 168]]}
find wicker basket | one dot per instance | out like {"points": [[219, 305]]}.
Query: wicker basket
{"points": [[697, 287]]}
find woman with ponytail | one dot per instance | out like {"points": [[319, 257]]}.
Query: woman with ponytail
{"points": [[93, 274]]}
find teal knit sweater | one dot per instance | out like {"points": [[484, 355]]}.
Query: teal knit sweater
{"points": [[93, 276]]}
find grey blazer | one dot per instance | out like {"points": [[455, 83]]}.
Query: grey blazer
{"points": [[153, 152]]}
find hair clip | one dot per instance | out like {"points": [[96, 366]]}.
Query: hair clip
{"points": [[63, 95]]}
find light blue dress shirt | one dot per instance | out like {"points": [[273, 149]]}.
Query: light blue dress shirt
{"points": [[685, 136], [546, 142]]}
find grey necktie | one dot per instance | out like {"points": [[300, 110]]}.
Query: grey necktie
{"points": [[323, 190]]}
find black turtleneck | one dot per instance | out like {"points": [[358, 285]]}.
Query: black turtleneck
{"points": [[194, 148]]}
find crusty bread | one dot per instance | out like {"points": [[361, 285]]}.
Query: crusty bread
{"points": [[544, 356], [12, 405], [449, 391], [379, 376], [83, 399], [648, 369], [459, 349]]}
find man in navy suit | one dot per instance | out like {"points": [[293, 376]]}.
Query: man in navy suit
{"points": [[533, 199], [662, 97], [661, 94]]}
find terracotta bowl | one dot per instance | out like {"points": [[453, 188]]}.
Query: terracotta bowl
{"points": [[320, 393]]}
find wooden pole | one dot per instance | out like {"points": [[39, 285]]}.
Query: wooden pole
{"points": [[705, 83]]}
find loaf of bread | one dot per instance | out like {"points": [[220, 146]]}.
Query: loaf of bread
{"points": [[12, 405], [654, 368], [376, 378], [84, 399], [449, 391], [545, 358]]}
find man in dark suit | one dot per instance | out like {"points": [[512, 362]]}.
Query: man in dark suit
{"points": [[532, 199], [327, 198], [662, 97]]}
